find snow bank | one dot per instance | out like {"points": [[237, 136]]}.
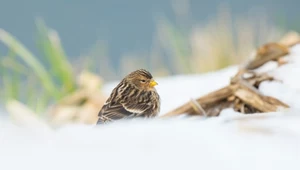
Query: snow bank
{"points": [[218, 143], [229, 142]]}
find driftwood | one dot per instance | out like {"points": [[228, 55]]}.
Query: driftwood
{"points": [[206, 102], [268, 52], [242, 93]]}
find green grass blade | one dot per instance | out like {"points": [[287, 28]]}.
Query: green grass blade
{"points": [[7, 89], [16, 66], [55, 55], [31, 61], [15, 78]]}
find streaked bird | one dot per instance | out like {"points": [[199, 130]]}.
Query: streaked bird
{"points": [[134, 96]]}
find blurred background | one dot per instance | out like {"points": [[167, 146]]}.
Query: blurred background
{"points": [[57, 54]]}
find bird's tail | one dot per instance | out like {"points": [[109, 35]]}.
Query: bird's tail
{"points": [[100, 121]]}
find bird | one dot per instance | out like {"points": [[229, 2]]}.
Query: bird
{"points": [[135, 96]]}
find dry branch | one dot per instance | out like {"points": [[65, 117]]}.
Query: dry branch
{"points": [[253, 98], [268, 52], [242, 93], [209, 99]]}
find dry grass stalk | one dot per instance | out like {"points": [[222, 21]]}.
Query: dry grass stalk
{"points": [[83, 105]]}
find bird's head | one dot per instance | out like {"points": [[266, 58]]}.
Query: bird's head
{"points": [[142, 79]]}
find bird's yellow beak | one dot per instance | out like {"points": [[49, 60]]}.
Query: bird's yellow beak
{"points": [[153, 83]]}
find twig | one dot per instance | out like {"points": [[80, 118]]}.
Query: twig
{"points": [[197, 107]]}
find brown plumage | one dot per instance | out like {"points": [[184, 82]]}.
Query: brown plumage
{"points": [[134, 96]]}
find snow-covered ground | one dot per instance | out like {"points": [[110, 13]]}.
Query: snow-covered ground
{"points": [[230, 142], [267, 144]]}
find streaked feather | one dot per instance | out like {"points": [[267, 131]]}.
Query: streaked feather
{"points": [[127, 100]]}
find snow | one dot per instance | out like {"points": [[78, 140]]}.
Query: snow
{"points": [[158, 144], [231, 141]]}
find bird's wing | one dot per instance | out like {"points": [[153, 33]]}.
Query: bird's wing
{"points": [[113, 112], [138, 108]]}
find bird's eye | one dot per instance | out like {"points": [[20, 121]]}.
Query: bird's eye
{"points": [[143, 81]]}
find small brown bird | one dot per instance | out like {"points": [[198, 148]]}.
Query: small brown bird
{"points": [[134, 96]]}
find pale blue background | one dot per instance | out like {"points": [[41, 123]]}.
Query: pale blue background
{"points": [[123, 25]]}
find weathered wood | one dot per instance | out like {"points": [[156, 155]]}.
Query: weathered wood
{"points": [[208, 99], [275, 101], [214, 110], [198, 108], [241, 95], [290, 39], [255, 100], [251, 96], [268, 52]]}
